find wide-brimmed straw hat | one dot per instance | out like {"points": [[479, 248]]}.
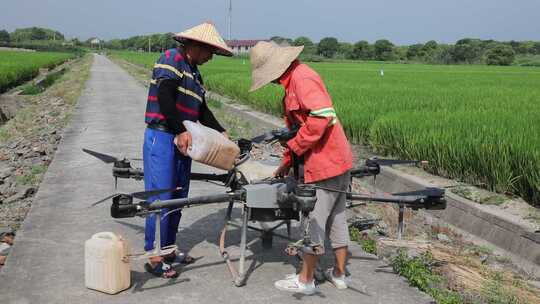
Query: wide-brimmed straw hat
{"points": [[205, 33], [269, 61]]}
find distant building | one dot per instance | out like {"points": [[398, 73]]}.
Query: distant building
{"points": [[95, 43], [240, 47]]}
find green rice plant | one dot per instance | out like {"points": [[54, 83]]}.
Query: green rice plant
{"points": [[17, 67], [478, 124]]}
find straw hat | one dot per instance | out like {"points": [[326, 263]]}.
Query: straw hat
{"points": [[205, 33], [269, 61]]}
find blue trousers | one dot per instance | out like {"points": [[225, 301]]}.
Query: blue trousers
{"points": [[164, 168]]}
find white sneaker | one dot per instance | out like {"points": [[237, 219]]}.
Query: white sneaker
{"points": [[340, 282], [291, 275], [293, 284]]}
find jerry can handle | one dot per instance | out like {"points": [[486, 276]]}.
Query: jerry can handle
{"points": [[106, 235]]}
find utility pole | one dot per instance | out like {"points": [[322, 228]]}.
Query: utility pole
{"points": [[230, 20]]}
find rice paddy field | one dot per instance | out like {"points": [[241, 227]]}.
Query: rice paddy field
{"points": [[17, 67], [478, 124]]}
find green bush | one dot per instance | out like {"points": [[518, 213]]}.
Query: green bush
{"points": [[500, 55]]}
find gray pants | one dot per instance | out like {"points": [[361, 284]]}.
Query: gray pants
{"points": [[328, 219]]}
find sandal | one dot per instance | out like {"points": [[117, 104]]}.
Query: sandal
{"points": [[181, 258], [162, 270]]}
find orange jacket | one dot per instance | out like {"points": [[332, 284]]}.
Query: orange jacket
{"points": [[320, 139]]}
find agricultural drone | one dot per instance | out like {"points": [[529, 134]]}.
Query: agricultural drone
{"points": [[266, 201]]}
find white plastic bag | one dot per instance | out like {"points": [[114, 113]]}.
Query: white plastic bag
{"points": [[210, 147]]}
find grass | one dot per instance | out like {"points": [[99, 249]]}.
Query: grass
{"points": [[477, 124]]}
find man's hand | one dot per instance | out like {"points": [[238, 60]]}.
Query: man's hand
{"points": [[183, 142], [282, 171]]}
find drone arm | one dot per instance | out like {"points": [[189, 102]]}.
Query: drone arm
{"points": [[386, 198], [366, 170], [128, 172], [197, 200], [427, 201]]}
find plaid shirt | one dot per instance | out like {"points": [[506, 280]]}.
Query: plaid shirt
{"points": [[172, 65]]}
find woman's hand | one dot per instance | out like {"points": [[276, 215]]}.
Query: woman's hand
{"points": [[282, 171]]}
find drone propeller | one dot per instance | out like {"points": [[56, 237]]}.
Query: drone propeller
{"points": [[103, 157], [104, 199], [142, 195], [106, 158]]}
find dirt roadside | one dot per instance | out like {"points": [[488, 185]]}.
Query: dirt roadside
{"points": [[29, 140]]}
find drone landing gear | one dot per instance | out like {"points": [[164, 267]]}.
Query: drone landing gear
{"points": [[267, 234], [401, 221], [158, 250]]}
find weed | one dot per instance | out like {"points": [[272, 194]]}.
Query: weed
{"points": [[369, 246], [32, 177], [494, 292], [417, 271], [354, 234], [31, 89]]}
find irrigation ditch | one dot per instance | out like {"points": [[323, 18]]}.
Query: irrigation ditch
{"points": [[12, 101]]}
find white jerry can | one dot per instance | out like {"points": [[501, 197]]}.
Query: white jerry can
{"points": [[210, 147], [106, 263]]}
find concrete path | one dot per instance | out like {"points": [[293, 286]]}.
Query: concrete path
{"points": [[46, 264]]}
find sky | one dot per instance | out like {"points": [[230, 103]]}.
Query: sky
{"points": [[400, 21]]}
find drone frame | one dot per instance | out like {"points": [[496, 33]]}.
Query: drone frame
{"points": [[123, 206]]}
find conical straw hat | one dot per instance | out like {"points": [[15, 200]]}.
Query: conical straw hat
{"points": [[205, 33], [269, 61]]}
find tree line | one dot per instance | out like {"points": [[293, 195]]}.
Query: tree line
{"points": [[464, 51]]}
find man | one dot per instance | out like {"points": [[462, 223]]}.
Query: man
{"points": [[321, 146], [176, 94]]}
